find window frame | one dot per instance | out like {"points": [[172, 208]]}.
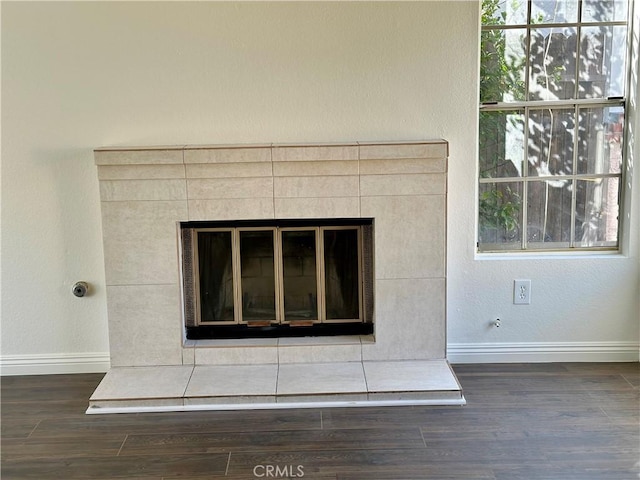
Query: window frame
{"points": [[575, 104]]}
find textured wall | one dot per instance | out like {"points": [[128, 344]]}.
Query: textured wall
{"points": [[80, 75]]}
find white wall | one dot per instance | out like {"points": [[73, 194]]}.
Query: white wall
{"points": [[80, 75]]}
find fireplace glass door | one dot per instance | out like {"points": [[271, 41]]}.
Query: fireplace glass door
{"points": [[341, 274], [262, 276], [216, 275], [299, 275], [257, 276]]}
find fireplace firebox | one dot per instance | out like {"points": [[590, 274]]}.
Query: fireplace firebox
{"points": [[277, 278]]}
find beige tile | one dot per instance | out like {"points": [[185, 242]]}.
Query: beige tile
{"points": [[140, 172], [403, 166], [247, 154], [121, 190], [336, 207], [320, 186], [319, 168], [236, 342], [433, 397], [410, 320], [237, 356], [298, 153], [319, 353], [324, 398], [247, 187], [143, 383], [140, 241], [367, 339], [406, 150], [135, 404], [216, 402], [406, 376], [226, 170], [233, 380], [332, 340], [145, 325], [188, 355], [409, 235], [136, 157], [406, 184], [321, 378], [231, 209]]}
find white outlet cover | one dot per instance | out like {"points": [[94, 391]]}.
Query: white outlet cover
{"points": [[522, 292]]}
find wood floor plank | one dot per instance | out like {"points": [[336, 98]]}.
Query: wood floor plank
{"points": [[502, 369], [556, 472], [182, 422], [381, 417], [402, 463], [272, 441], [428, 473], [19, 427], [111, 467], [56, 447], [46, 388]]}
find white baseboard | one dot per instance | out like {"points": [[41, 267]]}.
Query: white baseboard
{"points": [[52, 364], [543, 352]]}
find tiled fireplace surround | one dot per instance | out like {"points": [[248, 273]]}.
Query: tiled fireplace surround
{"points": [[146, 191]]}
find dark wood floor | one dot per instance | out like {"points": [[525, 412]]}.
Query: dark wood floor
{"points": [[537, 421]]}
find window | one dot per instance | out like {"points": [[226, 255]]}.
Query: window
{"points": [[248, 276], [552, 112]]}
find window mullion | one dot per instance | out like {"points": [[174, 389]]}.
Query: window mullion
{"points": [[527, 52], [525, 163], [578, 53], [525, 177], [574, 172], [541, 104]]}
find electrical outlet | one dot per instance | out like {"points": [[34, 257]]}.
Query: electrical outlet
{"points": [[522, 292]]}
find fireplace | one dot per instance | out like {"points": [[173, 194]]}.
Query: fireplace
{"points": [[269, 256]]}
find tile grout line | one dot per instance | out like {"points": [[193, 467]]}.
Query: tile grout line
{"points": [[186, 186], [273, 181], [359, 188], [364, 375], [186, 387], [277, 369]]}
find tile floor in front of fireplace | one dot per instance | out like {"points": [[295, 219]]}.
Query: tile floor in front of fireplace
{"points": [[218, 387]]}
